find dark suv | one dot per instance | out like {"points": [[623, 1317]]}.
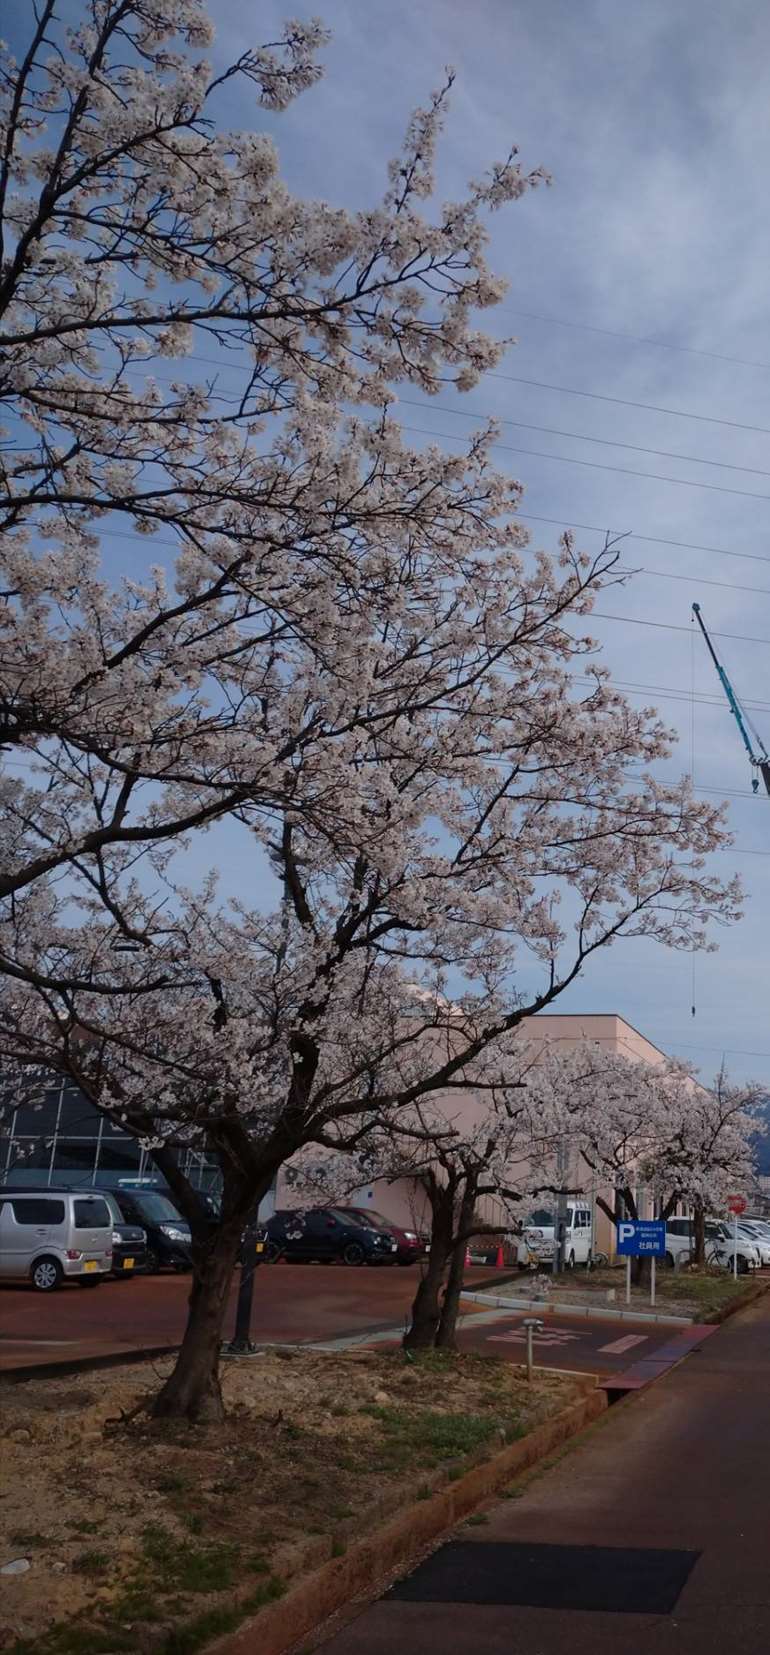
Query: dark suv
{"points": [[169, 1242], [324, 1234], [129, 1242]]}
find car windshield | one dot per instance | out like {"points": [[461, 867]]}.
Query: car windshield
{"points": [[360, 1215], [157, 1208], [541, 1217], [117, 1215]]}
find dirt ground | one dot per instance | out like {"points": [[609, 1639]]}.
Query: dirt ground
{"points": [[143, 1536]]}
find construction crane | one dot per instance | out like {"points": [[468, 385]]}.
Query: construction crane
{"points": [[759, 758]]}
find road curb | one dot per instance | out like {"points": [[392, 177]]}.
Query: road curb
{"points": [[86, 1364], [366, 1566], [562, 1307]]}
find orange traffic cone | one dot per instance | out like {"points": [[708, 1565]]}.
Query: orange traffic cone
{"points": [[499, 1261]]}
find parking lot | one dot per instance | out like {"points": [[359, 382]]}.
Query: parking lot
{"points": [[292, 1303], [304, 1304]]}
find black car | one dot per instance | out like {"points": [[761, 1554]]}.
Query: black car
{"points": [[129, 1242], [324, 1234], [169, 1242]]}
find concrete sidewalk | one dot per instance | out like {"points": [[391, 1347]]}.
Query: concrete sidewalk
{"points": [[652, 1534]]}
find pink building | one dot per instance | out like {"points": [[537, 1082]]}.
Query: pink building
{"points": [[404, 1201]]}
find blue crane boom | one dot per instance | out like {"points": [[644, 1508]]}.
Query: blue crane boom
{"points": [[759, 758]]}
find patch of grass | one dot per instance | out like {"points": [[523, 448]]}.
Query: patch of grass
{"points": [[180, 1566], [86, 1527], [27, 1539], [172, 1482], [339, 1548], [79, 1640], [193, 1521], [214, 1623], [429, 1437], [476, 1520], [91, 1563]]}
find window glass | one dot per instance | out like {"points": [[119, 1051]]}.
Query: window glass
{"points": [[74, 1160], [92, 1213], [38, 1210], [157, 1209]]}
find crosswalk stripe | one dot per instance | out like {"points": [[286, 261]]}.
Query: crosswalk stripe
{"points": [[618, 1346]]}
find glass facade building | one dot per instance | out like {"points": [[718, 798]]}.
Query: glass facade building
{"points": [[66, 1141]]}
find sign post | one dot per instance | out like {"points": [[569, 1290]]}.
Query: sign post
{"points": [[641, 1238], [737, 1205]]}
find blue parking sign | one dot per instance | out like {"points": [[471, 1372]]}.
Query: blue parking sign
{"points": [[641, 1237]]}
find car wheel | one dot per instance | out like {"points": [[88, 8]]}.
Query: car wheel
{"points": [[151, 1263], [669, 1261], [743, 1265], [406, 1262], [571, 1260], [88, 1281], [272, 1252], [353, 1253], [47, 1275]]}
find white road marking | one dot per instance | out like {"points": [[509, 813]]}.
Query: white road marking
{"points": [[619, 1345], [517, 1336]]}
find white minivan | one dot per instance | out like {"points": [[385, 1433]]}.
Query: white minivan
{"points": [[537, 1243], [47, 1234]]}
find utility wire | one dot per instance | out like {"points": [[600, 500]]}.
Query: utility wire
{"points": [[579, 436], [599, 465], [628, 402], [631, 338]]}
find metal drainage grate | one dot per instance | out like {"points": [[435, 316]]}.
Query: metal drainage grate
{"points": [[616, 1579]]}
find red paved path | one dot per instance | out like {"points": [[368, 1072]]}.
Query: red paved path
{"points": [[291, 1302]]}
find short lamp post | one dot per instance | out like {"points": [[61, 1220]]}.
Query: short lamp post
{"points": [[533, 1325]]}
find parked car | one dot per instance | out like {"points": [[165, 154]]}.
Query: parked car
{"points": [[538, 1236], [680, 1240], [758, 1235], [410, 1245], [169, 1242], [129, 1242], [47, 1235], [324, 1234]]}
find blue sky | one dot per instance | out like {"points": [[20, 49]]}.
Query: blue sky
{"points": [[655, 124]]}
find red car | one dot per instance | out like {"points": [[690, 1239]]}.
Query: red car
{"points": [[411, 1246]]}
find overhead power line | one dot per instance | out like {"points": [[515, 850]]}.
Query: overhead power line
{"points": [[628, 402], [538, 384], [633, 339], [599, 465], [580, 436]]}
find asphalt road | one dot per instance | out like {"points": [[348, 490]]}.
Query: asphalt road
{"points": [[294, 1304], [649, 1535]]}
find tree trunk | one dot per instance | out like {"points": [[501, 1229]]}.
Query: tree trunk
{"points": [[699, 1234], [426, 1308], [446, 1333], [193, 1391]]}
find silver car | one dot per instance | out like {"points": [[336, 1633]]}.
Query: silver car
{"points": [[49, 1234]]}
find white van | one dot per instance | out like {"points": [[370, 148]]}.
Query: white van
{"points": [[47, 1234], [537, 1243]]}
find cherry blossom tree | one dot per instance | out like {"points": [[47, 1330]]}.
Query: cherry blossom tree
{"points": [[198, 362], [352, 652], [649, 1129]]}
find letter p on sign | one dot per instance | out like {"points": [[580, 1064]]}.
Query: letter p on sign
{"points": [[625, 1232]]}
